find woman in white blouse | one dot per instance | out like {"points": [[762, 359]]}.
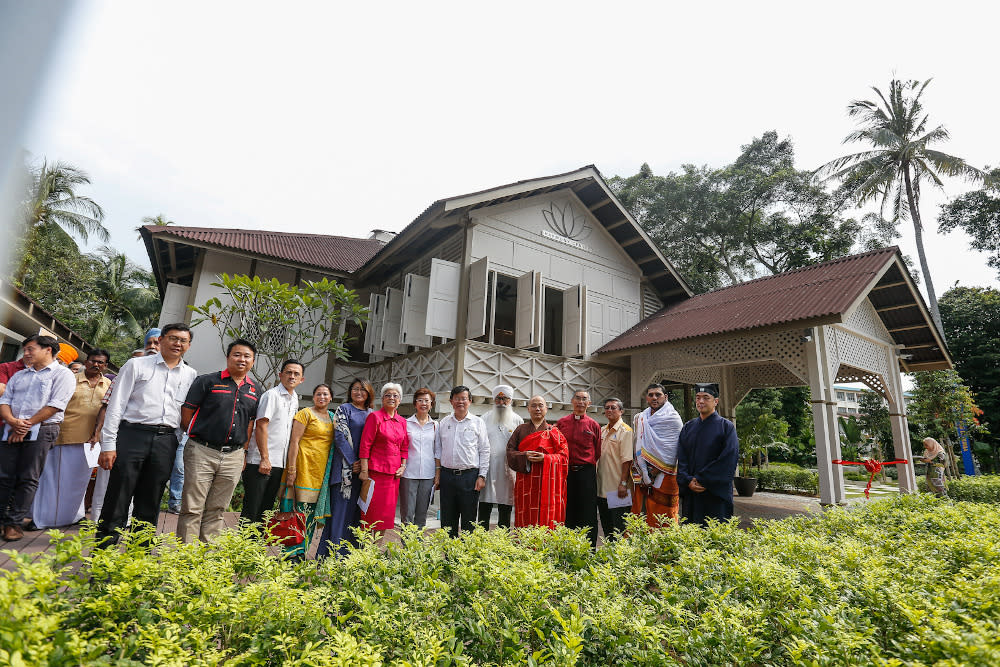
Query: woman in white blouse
{"points": [[417, 483]]}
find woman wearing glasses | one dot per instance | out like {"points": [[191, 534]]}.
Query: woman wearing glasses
{"points": [[385, 446]]}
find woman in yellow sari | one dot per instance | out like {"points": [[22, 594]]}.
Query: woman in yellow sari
{"points": [[307, 471]]}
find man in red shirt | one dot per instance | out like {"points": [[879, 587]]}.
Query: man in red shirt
{"points": [[584, 437]]}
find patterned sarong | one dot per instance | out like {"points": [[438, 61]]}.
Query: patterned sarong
{"points": [[540, 495]]}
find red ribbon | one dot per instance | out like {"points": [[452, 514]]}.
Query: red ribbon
{"points": [[874, 467]]}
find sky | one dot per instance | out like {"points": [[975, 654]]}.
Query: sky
{"points": [[340, 118]]}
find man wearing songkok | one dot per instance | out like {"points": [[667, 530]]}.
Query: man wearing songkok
{"points": [[218, 413], [32, 412], [499, 490], [654, 464], [614, 469], [583, 435], [706, 460], [539, 455], [138, 440], [63, 484], [462, 458]]}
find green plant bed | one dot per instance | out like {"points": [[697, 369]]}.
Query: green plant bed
{"points": [[912, 580], [976, 489], [787, 478]]}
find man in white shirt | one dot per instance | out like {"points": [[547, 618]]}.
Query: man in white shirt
{"points": [[462, 457], [269, 442], [138, 442], [32, 411]]}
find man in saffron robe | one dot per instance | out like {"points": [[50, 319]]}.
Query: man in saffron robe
{"points": [[706, 461], [539, 455], [654, 465]]}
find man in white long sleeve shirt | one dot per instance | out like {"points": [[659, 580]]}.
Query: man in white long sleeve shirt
{"points": [[462, 457], [138, 442]]}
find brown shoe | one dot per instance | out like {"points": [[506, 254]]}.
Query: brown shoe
{"points": [[13, 533]]}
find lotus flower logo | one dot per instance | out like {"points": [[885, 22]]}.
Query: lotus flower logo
{"points": [[564, 221]]}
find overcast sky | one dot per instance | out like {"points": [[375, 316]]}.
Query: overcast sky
{"points": [[340, 118]]}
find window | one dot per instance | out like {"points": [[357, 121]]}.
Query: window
{"points": [[840, 395], [852, 411], [501, 310], [552, 338], [852, 397]]}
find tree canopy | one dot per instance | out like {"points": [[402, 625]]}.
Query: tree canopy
{"points": [[978, 214], [757, 216]]}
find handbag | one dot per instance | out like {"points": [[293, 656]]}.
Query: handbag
{"points": [[289, 528]]}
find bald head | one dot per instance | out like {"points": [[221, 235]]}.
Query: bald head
{"points": [[537, 408]]}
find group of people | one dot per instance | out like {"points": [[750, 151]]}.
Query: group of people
{"points": [[341, 468]]}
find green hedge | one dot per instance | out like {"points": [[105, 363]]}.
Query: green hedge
{"points": [[905, 581], [787, 478], [976, 489]]}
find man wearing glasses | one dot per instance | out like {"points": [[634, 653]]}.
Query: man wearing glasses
{"points": [[462, 457], [61, 488], [138, 442]]}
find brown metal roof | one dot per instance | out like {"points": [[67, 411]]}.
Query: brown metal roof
{"points": [[335, 253], [816, 294]]}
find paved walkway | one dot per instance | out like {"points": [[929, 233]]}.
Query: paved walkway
{"points": [[761, 505]]}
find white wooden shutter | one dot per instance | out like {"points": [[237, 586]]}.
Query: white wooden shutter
{"points": [[573, 321], [442, 299], [373, 333], [411, 331], [392, 318], [529, 303], [630, 317], [597, 330], [478, 284]]}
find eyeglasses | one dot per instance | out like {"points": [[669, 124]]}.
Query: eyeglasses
{"points": [[612, 408], [178, 339], [390, 395], [96, 363]]}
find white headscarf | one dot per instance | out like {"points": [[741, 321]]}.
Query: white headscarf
{"points": [[504, 389]]}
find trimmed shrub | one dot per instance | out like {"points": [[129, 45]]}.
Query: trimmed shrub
{"points": [[903, 581], [975, 489], [787, 478]]}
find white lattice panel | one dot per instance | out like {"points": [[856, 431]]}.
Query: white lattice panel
{"points": [[700, 360], [873, 381], [532, 374], [855, 351], [770, 374], [343, 374], [432, 368], [865, 321]]}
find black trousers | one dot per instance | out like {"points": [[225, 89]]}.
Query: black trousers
{"points": [[459, 499], [503, 520], [581, 499], [259, 492], [612, 519], [700, 507], [21, 465], [141, 472]]}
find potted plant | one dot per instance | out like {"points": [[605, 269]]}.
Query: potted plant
{"points": [[757, 435]]}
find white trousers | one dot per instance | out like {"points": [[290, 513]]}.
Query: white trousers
{"points": [[61, 487]]}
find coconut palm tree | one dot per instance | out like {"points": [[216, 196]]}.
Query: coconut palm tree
{"points": [[898, 163], [53, 201], [159, 220], [128, 298]]}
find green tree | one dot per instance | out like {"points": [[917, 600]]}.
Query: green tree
{"points": [[760, 428], [53, 200], [978, 213], [899, 161], [940, 401], [873, 418], [971, 318], [851, 437], [759, 215], [158, 220], [128, 302], [284, 321]]}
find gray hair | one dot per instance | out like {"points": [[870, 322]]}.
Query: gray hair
{"points": [[621, 406], [392, 385]]}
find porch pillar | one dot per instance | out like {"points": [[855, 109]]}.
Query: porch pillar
{"points": [[727, 393], [825, 427], [900, 430]]}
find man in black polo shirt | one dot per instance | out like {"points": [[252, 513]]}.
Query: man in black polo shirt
{"points": [[218, 415]]}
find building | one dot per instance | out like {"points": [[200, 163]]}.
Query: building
{"points": [[21, 316], [550, 285]]}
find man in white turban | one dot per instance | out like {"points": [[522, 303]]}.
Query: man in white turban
{"points": [[500, 423]]}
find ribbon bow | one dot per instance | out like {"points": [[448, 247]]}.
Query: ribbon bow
{"points": [[874, 467]]}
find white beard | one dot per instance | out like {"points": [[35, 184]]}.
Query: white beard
{"points": [[503, 416]]}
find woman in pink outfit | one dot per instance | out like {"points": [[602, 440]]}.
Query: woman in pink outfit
{"points": [[384, 448]]}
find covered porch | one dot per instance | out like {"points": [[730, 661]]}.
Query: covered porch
{"points": [[856, 319]]}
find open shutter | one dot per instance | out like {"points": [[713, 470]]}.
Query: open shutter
{"points": [[442, 299], [373, 334], [529, 306], [392, 317], [478, 284], [411, 331], [573, 321], [598, 330]]}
